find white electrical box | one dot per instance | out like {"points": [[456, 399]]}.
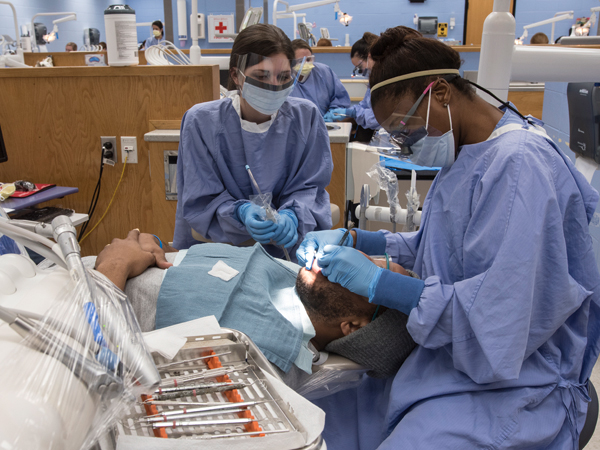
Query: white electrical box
{"points": [[129, 149], [201, 26]]}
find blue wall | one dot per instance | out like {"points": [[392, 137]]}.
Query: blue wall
{"points": [[368, 15], [90, 14]]}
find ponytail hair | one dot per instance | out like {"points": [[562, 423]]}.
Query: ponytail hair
{"points": [[402, 50], [362, 47]]}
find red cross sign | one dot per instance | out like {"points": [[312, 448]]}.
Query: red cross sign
{"points": [[221, 28]]}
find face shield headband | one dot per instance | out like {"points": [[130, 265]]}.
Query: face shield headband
{"points": [[270, 74]]}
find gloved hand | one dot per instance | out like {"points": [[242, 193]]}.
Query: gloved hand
{"points": [[350, 268], [315, 241], [337, 114], [286, 233], [254, 218]]}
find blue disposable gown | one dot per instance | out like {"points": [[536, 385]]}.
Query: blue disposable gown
{"points": [[323, 88], [508, 322], [153, 40], [291, 159], [364, 112]]}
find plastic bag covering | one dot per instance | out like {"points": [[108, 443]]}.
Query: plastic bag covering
{"points": [[273, 74], [330, 379], [412, 205], [264, 201], [388, 182], [78, 367], [382, 144]]}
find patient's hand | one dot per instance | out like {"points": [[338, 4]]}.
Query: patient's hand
{"points": [[149, 243], [123, 259]]}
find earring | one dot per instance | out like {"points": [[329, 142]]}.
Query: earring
{"points": [[445, 105]]}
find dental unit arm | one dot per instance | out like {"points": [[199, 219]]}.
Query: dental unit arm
{"points": [[18, 59], [561, 15], [82, 359]]}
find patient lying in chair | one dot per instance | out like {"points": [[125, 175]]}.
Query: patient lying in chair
{"points": [[290, 313]]}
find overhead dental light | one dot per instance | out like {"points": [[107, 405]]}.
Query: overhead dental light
{"points": [[53, 35], [345, 19]]}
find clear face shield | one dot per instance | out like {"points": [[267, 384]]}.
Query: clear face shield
{"points": [[304, 71], [267, 81]]}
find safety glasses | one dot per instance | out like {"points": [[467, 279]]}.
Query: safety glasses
{"points": [[359, 68], [405, 129]]}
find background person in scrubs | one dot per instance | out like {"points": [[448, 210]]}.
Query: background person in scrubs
{"points": [[318, 83], [507, 316], [283, 140], [362, 113], [158, 35]]}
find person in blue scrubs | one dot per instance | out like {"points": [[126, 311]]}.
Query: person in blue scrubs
{"points": [[282, 140], [318, 83], [361, 113], [507, 314], [158, 35]]}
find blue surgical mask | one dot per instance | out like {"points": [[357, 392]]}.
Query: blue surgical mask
{"points": [[434, 151], [265, 98]]}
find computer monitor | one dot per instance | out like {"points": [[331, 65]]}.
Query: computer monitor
{"points": [[3, 155]]}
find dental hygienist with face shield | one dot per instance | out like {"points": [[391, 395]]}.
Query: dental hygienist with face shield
{"points": [[282, 140], [507, 314], [317, 82]]}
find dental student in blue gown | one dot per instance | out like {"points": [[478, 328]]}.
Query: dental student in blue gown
{"points": [[362, 112], [283, 140], [317, 82], [158, 35], [507, 315]]}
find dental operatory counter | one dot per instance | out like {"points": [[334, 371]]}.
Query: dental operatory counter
{"points": [[163, 145]]}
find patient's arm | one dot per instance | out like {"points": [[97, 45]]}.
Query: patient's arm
{"points": [[124, 258], [149, 243]]}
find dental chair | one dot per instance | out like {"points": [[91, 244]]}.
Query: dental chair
{"points": [[590, 419], [71, 350]]}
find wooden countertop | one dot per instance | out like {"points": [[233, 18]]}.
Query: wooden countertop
{"points": [[339, 135], [106, 71]]}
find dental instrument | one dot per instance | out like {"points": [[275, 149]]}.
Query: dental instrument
{"points": [[200, 423], [270, 211], [194, 415], [179, 363], [345, 236], [194, 391], [221, 407]]}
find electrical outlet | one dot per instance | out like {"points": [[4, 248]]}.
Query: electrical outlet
{"points": [[442, 30], [129, 149], [108, 144]]}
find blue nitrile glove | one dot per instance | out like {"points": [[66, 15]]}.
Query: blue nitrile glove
{"points": [[338, 114], [286, 233], [315, 241], [350, 268], [254, 218], [329, 117]]}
